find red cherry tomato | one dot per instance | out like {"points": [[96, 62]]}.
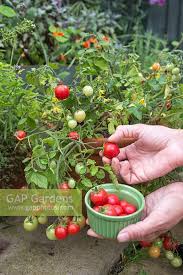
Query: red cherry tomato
{"points": [[123, 203], [97, 208], [20, 135], [99, 197], [73, 135], [63, 186], [113, 199], [73, 228], [61, 232], [108, 210], [111, 150], [119, 210], [130, 209], [62, 92], [170, 244], [145, 244]]}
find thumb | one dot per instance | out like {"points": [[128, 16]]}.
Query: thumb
{"points": [[138, 231], [125, 131]]}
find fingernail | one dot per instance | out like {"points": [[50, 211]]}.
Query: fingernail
{"points": [[123, 237]]}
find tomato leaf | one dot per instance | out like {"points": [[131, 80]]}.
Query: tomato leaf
{"points": [[100, 175], [7, 11], [87, 182], [39, 180], [93, 170]]}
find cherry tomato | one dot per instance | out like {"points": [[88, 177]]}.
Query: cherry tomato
{"points": [[176, 262], [156, 67], [72, 124], [130, 209], [113, 199], [71, 183], [62, 92], [169, 67], [111, 150], [169, 255], [73, 228], [108, 210], [86, 44], [63, 185], [50, 233], [42, 219], [79, 116], [73, 135], [145, 244], [99, 197], [81, 221], [119, 210], [87, 90], [175, 71], [30, 223], [123, 203], [154, 252], [20, 135], [80, 168], [61, 232], [97, 208], [169, 244]]}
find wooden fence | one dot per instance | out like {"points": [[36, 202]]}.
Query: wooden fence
{"points": [[167, 21]]}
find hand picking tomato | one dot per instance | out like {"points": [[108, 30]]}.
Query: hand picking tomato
{"points": [[99, 197], [20, 135], [108, 210], [61, 232], [130, 209], [118, 209], [50, 233], [73, 135], [111, 150], [62, 92], [30, 223], [79, 116], [73, 228], [63, 186], [113, 199]]}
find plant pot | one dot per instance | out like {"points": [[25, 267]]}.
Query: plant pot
{"points": [[109, 226]]}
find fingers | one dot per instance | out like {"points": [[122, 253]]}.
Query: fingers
{"points": [[91, 233], [125, 131], [138, 231]]}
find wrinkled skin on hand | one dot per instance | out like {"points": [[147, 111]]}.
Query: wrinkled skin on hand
{"points": [[156, 151], [163, 210]]}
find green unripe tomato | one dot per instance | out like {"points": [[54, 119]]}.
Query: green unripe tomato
{"points": [[87, 90], [169, 67], [30, 224], [169, 255], [176, 262], [50, 233], [176, 71], [80, 168], [69, 117], [42, 219], [158, 243], [71, 183], [79, 116], [72, 123]]}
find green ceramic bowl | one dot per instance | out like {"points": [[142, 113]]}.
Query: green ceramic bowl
{"points": [[109, 226]]}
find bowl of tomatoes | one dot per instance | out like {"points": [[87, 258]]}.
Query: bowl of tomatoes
{"points": [[112, 207]]}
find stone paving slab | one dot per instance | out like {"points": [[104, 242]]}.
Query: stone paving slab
{"points": [[23, 253]]}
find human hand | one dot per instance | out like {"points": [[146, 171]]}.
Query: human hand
{"points": [[163, 210], [156, 151]]}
